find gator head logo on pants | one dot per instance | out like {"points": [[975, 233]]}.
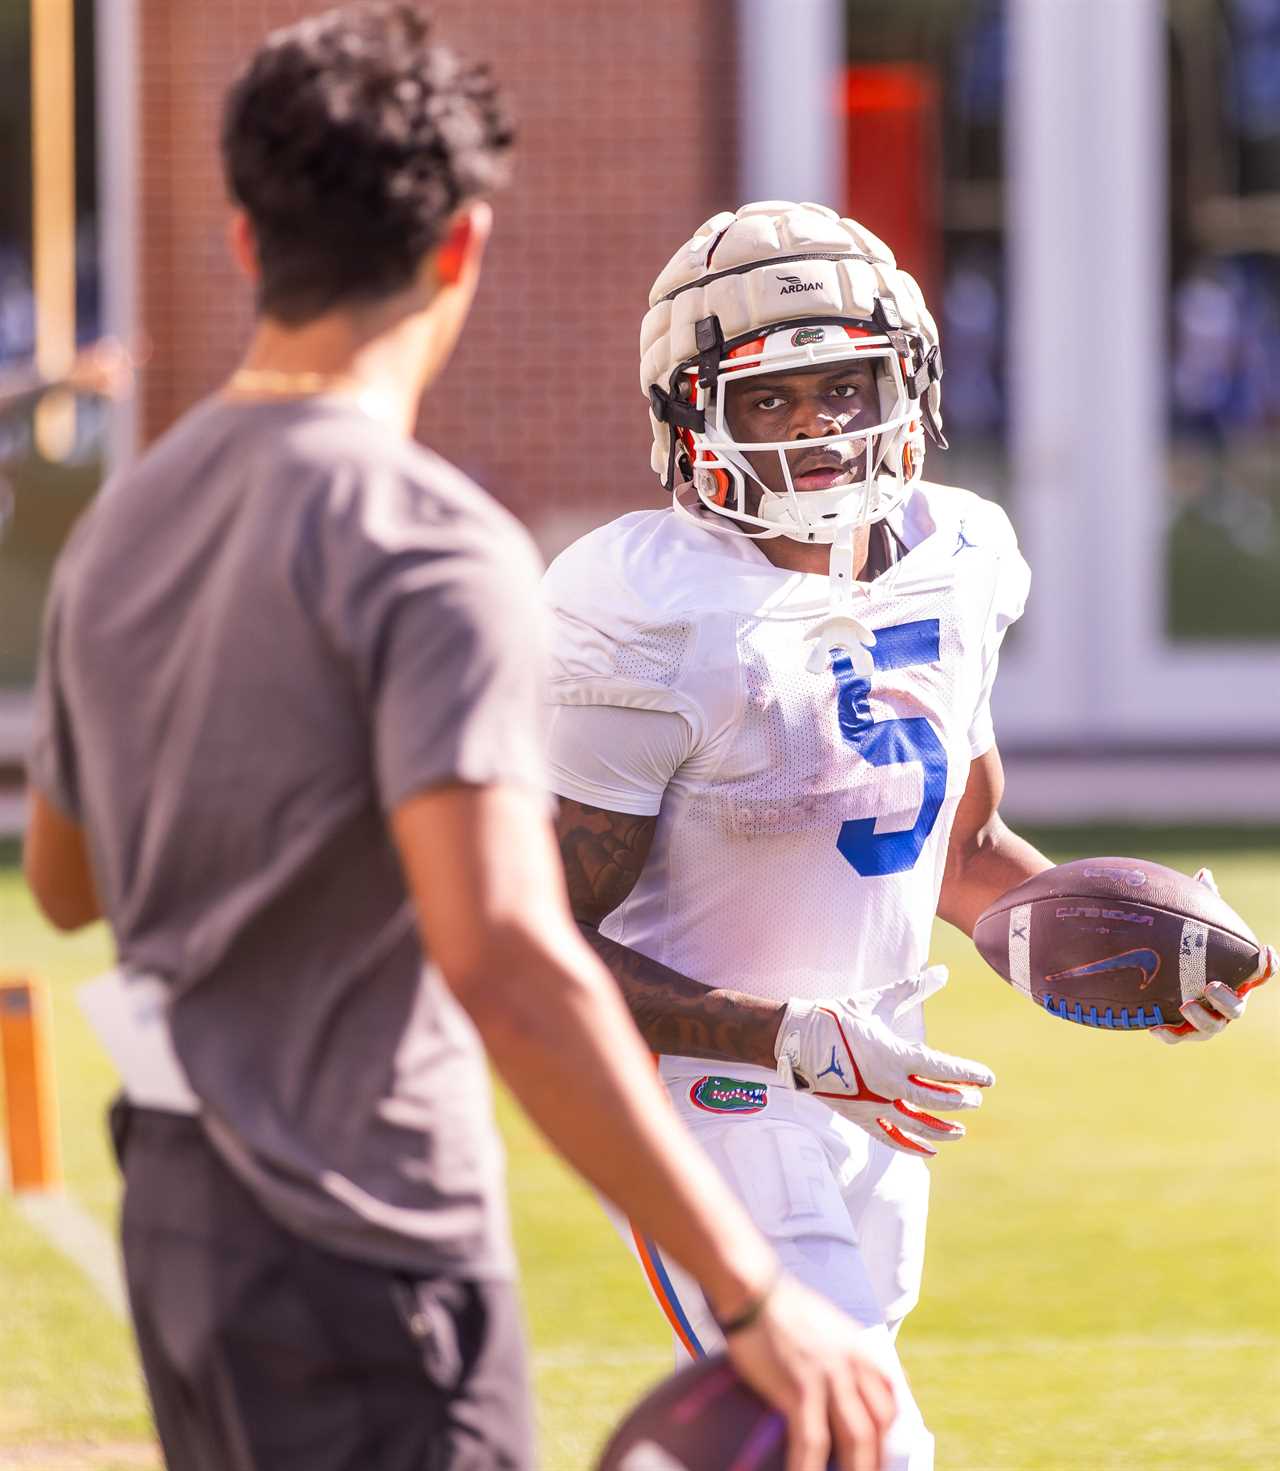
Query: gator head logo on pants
{"points": [[729, 1095]]}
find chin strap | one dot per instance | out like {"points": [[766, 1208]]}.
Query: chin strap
{"points": [[841, 629]]}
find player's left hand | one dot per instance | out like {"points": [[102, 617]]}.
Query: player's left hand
{"points": [[846, 1052], [1210, 1014]]}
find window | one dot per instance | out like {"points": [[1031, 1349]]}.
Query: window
{"points": [[43, 491], [1223, 544]]}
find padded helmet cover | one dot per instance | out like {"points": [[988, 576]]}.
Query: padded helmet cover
{"points": [[772, 263]]}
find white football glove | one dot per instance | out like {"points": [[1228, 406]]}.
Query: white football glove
{"points": [[845, 1052], [1210, 1013]]}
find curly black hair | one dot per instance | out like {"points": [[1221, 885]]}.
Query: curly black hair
{"points": [[350, 138]]}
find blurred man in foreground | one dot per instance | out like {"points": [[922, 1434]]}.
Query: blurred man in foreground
{"points": [[289, 683]]}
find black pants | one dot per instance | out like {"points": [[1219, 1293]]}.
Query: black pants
{"points": [[265, 1353]]}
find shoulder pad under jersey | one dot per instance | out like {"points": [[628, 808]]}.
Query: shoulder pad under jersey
{"points": [[977, 536], [626, 603]]}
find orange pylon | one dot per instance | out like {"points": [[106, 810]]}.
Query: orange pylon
{"points": [[31, 1111]]}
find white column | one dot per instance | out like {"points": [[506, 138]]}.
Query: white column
{"points": [[790, 60], [1125, 452], [1085, 231], [116, 25], [1037, 689]]}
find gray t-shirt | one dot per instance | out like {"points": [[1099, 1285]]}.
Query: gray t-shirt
{"points": [[281, 623]]}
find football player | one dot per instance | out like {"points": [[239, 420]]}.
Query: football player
{"points": [[772, 738]]}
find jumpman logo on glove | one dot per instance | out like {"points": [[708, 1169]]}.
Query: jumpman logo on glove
{"points": [[886, 1083], [835, 1068]]}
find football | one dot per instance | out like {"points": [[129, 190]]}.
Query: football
{"points": [[702, 1419], [1116, 943]]}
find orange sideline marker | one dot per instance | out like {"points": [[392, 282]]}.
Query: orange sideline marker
{"points": [[26, 1060]]}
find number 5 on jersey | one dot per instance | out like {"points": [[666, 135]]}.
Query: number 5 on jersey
{"points": [[890, 743]]}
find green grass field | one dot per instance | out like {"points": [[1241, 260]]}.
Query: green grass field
{"points": [[1103, 1286]]}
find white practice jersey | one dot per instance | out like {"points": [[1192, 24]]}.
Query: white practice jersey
{"points": [[803, 818]]}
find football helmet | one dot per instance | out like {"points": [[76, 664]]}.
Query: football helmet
{"points": [[775, 288]]}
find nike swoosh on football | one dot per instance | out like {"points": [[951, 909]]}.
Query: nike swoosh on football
{"points": [[1147, 961]]}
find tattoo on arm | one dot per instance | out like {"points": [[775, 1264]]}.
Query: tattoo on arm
{"points": [[604, 853], [685, 1018]]}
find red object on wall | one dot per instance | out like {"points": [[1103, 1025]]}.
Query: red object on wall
{"points": [[893, 173]]}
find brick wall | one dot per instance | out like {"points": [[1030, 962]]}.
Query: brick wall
{"points": [[627, 144]]}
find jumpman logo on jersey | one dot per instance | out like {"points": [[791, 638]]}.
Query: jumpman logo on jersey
{"points": [[962, 541], [834, 1068]]}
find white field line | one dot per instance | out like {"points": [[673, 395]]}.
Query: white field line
{"points": [[1085, 1343], [139, 1455], [69, 1228], [658, 1359], [576, 1358]]}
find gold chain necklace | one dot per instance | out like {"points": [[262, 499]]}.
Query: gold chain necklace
{"points": [[273, 383]]}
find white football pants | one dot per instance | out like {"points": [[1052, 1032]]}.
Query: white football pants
{"points": [[845, 1214]]}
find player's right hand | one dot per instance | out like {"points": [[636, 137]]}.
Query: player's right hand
{"points": [[846, 1052], [1209, 1014], [803, 1356]]}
